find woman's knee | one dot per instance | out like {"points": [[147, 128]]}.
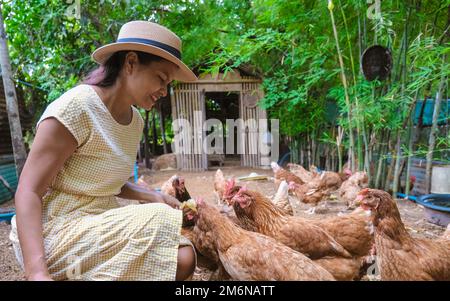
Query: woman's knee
{"points": [[186, 262]]}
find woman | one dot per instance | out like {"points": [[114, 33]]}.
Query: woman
{"points": [[84, 150]]}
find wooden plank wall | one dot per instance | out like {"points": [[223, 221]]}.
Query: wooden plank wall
{"points": [[418, 170], [251, 156], [188, 100]]}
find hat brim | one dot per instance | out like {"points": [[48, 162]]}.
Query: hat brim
{"points": [[183, 72]]}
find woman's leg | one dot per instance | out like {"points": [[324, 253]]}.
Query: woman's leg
{"points": [[186, 263]]}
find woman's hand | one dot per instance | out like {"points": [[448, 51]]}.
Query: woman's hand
{"points": [[169, 200], [145, 195]]}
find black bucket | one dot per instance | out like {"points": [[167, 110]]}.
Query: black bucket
{"points": [[376, 63]]}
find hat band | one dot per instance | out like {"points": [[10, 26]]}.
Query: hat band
{"points": [[173, 51]]}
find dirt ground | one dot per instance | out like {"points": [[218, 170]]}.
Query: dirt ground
{"points": [[201, 184]]}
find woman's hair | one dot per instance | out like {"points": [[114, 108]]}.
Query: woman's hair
{"points": [[106, 74]]}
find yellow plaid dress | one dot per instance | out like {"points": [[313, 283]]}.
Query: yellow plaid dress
{"points": [[87, 235]]}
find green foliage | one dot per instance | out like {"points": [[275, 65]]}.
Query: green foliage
{"points": [[289, 42]]}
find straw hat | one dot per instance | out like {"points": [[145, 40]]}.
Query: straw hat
{"points": [[151, 38]]}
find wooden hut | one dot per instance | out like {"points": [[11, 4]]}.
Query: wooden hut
{"points": [[188, 101]]}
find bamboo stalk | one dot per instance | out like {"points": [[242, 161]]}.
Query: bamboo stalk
{"points": [[397, 172], [344, 82], [434, 130], [360, 130], [410, 142], [339, 138], [410, 150], [380, 161], [390, 169]]}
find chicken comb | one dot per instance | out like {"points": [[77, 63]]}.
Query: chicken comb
{"points": [[348, 171], [364, 192], [229, 184], [200, 201], [292, 185], [241, 190]]}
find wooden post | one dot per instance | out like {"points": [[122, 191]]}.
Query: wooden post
{"points": [[12, 108]]}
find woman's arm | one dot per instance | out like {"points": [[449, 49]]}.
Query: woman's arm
{"points": [[135, 192], [51, 147]]}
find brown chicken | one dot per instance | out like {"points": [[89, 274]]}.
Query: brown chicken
{"points": [[298, 170], [400, 256], [176, 188], [281, 198], [351, 187], [246, 255], [207, 256], [319, 188], [331, 180], [402, 185], [309, 194], [219, 185], [339, 244], [355, 233], [281, 174]]}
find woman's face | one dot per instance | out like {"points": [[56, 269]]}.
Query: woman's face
{"points": [[147, 83]]}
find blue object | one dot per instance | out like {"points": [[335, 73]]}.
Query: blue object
{"points": [[6, 217], [437, 208], [135, 172], [284, 158], [9, 174], [429, 110], [409, 197], [440, 202], [173, 51]]}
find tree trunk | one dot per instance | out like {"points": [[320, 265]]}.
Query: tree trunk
{"points": [[12, 108], [434, 129], [163, 128], [309, 149], [146, 141], [154, 133]]}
